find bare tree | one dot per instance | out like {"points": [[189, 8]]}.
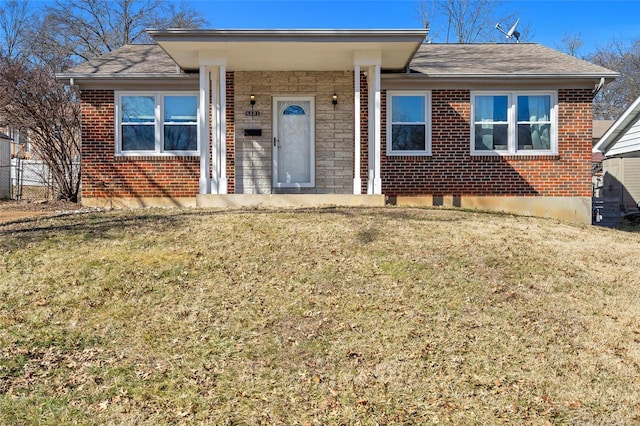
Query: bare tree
{"points": [[86, 29], [14, 18], [33, 100], [614, 98], [570, 44], [34, 47], [466, 21]]}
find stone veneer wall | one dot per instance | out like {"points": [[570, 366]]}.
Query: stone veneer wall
{"points": [[333, 128]]}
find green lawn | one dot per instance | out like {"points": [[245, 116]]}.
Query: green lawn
{"points": [[332, 316]]}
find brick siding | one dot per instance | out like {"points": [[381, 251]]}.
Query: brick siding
{"points": [[364, 131], [106, 175], [230, 138], [451, 170]]}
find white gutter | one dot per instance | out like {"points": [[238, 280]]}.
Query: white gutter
{"points": [[284, 35], [485, 76]]}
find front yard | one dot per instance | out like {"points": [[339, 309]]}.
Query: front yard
{"points": [[331, 316]]}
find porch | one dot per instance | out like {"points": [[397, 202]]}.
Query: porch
{"points": [[291, 113]]}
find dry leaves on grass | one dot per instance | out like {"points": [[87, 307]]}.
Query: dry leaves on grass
{"points": [[331, 316]]}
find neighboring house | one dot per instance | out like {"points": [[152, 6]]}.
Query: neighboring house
{"points": [[312, 117], [20, 146], [599, 129], [620, 146], [5, 166]]}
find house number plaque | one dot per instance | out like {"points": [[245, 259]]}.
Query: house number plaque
{"points": [[252, 113]]}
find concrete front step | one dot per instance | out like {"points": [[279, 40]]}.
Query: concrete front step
{"points": [[288, 200]]}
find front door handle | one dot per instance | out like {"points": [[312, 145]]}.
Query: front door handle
{"points": [[274, 141]]}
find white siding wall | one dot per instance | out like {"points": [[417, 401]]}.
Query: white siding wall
{"points": [[622, 181], [628, 142], [631, 196], [5, 170]]}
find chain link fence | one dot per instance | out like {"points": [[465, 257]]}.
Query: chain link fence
{"points": [[25, 180], [31, 180]]}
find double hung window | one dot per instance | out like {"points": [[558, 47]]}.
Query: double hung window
{"points": [[408, 123], [514, 123], [149, 123]]}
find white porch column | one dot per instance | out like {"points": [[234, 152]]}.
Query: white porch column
{"points": [[203, 130], [215, 136], [357, 181], [377, 180], [371, 128], [214, 118], [222, 183], [372, 60]]}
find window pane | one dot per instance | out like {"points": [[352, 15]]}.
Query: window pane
{"points": [[294, 110], [534, 108], [491, 137], [138, 138], [534, 136], [408, 137], [407, 109], [490, 108], [180, 138], [180, 109], [138, 109]]}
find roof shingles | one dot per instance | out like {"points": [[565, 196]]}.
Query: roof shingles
{"points": [[127, 60], [434, 60], [500, 59]]}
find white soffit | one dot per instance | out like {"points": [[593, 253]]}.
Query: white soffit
{"points": [[287, 50]]}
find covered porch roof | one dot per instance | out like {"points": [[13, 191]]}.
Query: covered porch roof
{"points": [[287, 50]]}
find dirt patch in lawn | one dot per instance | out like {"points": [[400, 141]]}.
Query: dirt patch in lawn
{"points": [[11, 210]]}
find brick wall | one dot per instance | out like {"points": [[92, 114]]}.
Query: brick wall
{"points": [[230, 138], [451, 170], [364, 132], [105, 175]]}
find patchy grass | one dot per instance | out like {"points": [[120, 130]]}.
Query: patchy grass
{"points": [[333, 316]]}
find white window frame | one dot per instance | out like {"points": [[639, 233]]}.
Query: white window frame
{"points": [[512, 123], [158, 123], [427, 122]]}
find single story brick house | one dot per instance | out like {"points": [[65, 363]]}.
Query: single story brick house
{"points": [[346, 117]]}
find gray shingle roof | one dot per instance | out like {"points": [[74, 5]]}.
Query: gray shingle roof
{"points": [[507, 59], [129, 59], [436, 60]]}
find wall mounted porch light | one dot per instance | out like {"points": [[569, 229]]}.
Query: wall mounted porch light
{"points": [[252, 100], [334, 100]]}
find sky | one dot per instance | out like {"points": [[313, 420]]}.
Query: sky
{"points": [[597, 22]]}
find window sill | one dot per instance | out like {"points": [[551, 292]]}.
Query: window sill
{"points": [[156, 156], [497, 156], [408, 154]]}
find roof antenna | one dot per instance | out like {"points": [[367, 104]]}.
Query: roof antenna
{"points": [[512, 31]]}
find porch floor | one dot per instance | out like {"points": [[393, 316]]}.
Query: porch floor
{"points": [[288, 200]]}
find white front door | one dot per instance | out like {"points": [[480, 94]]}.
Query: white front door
{"points": [[293, 142]]}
